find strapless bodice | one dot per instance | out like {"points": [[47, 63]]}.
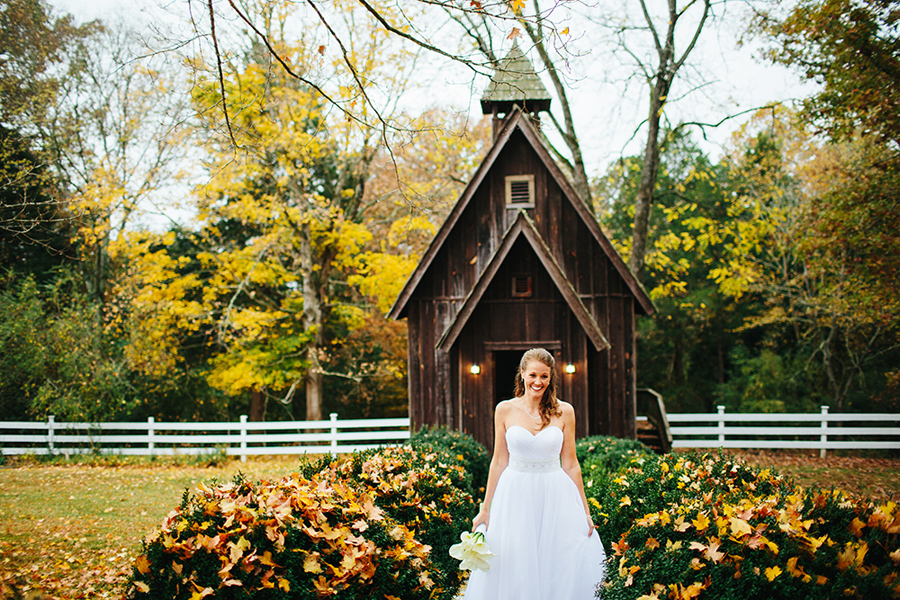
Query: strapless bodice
{"points": [[534, 452]]}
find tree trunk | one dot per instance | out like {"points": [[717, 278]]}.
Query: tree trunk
{"points": [[257, 405], [649, 172], [313, 322]]}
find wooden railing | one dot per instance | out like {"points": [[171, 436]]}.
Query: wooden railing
{"points": [[821, 431], [243, 438]]}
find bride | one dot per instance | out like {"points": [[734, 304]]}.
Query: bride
{"points": [[535, 512]]}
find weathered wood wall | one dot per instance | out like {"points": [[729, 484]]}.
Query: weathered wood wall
{"points": [[442, 390]]}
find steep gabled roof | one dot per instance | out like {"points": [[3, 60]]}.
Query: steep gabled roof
{"points": [[519, 120], [523, 227]]}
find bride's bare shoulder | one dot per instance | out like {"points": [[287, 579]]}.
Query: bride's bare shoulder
{"points": [[504, 406]]}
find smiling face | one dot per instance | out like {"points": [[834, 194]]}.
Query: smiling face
{"points": [[536, 376]]}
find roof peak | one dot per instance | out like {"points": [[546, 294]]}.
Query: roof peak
{"points": [[515, 82]]}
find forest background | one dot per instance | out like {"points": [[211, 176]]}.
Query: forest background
{"points": [[166, 253]]}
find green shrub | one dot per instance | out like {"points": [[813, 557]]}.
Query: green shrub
{"points": [[461, 448], [297, 538], [600, 455], [705, 526], [419, 488]]}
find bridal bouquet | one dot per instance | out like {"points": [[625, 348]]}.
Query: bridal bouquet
{"points": [[473, 551]]}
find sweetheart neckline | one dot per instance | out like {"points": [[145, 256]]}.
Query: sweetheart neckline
{"points": [[535, 434]]}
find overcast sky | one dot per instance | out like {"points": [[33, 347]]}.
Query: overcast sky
{"points": [[607, 111]]}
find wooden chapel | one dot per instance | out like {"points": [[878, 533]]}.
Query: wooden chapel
{"points": [[520, 262]]}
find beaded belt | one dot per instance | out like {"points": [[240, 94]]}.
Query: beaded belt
{"points": [[533, 466]]}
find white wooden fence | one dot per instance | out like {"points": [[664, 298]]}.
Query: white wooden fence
{"points": [[243, 438], [822, 431]]}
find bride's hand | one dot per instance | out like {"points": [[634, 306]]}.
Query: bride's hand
{"points": [[481, 518], [591, 525]]}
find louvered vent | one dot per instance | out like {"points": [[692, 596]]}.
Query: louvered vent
{"points": [[521, 286], [520, 191]]}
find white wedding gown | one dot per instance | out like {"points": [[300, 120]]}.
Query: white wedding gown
{"points": [[537, 529]]}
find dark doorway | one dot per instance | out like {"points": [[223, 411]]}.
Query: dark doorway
{"points": [[506, 363]]}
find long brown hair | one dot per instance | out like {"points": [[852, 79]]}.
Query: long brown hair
{"points": [[549, 405]]}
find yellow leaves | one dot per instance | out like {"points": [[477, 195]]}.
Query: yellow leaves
{"points": [[625, 501], [772, 573], [142, 564], [740, 527], [142, 587], [853, 554], [701, 522], [200, 593], [679, 592], [856, 526]]}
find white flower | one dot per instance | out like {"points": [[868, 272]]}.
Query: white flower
{"points": [[473, 551]]}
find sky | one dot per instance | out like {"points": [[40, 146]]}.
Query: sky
{"points": [[608, 108]]}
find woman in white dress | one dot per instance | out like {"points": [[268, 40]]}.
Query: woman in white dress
{"points": [[536, 515]]}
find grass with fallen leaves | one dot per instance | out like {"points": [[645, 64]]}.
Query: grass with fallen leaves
{"points": [[73, 531]]}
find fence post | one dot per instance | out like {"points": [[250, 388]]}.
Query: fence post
{"points": [[824, 437], [150, 432], [244, 438], [334, 441], [721, 410], [50, 422]]}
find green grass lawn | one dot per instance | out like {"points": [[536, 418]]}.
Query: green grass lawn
{"points": [[73, 530]]}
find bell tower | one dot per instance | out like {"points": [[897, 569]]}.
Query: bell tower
{"points": [[514, 83]]}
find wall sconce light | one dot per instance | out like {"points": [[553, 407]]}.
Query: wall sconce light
{"points": [[475, 369], [570, 368]]}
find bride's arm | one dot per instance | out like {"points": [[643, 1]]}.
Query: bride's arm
{"points": [[569, 458], [498, 463]]}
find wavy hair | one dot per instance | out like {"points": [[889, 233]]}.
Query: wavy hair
{"points": [[549, 406]]}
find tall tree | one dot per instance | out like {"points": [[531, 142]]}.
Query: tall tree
{"points": [[284, 209]]}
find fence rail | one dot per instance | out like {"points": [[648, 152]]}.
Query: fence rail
{"points": [[821, 431], [243, 438]]}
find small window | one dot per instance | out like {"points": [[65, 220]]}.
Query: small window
{"points": [[520, 191], [521, 286]]}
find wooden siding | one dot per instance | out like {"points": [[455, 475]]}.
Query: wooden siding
{"points": [[442, 389]]}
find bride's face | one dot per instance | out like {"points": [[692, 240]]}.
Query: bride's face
{"points": [[536, 377]]}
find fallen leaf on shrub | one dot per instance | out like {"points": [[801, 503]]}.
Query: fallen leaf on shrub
{"points": [[653, 543], [712, 551], [701, 522], [856, 526], [740, 527], [142, 565], [141, 586], [772, 573], [311, 563], [686, 593], [895, 556]]}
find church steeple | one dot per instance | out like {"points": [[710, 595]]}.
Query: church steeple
{"points": [[514, 83]]}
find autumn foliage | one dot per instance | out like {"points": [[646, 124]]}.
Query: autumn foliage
{"points": [[377, 525], [706, 526]]}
